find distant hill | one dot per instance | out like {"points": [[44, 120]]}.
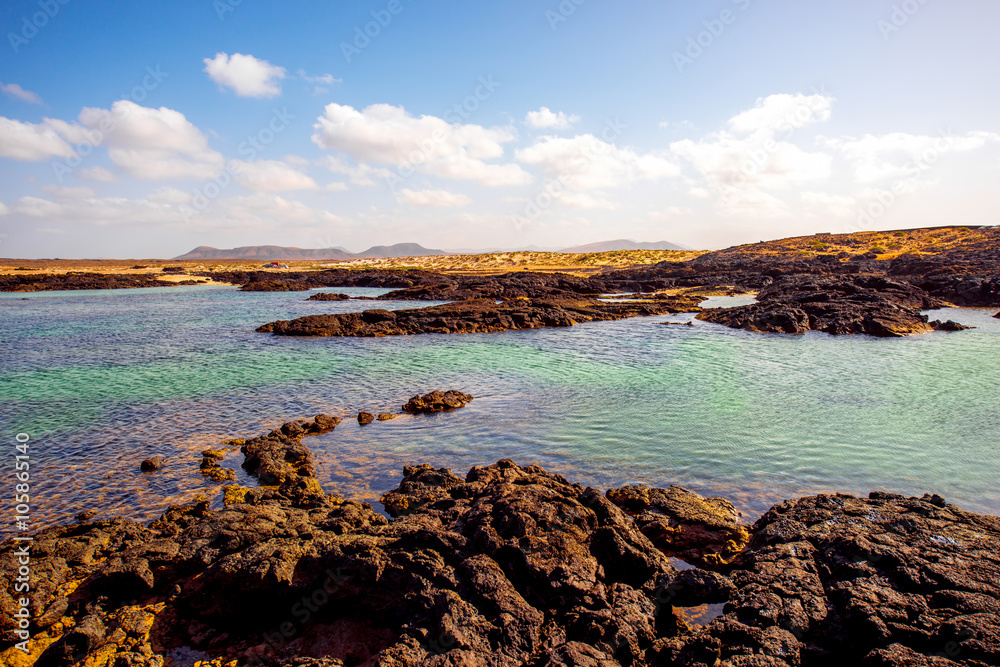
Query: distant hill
{"points": [[624, 244], [273, 253]]}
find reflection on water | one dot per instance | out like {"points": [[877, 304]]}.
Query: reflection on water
{"points": [[101, 380]]}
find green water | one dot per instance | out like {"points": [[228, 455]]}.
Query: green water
{"points": [[103, 379]]}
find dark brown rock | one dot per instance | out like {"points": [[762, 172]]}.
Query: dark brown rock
{"points": [[328, 297], [365, 418], [477, 316], [151, 464], [950, 325], [870, 305], [704, 531], [436, 401]]}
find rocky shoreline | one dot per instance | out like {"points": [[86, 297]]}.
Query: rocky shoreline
{"points": [[478, 316], [508, 565]]}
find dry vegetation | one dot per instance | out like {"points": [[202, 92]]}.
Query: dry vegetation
{"points": [[581, 263], [886, 245]]}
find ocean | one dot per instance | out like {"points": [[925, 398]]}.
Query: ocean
{"points": [[100, 380]]}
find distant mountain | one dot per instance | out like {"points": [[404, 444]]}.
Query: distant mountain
{"points": [[624, 244], [273, 253]]}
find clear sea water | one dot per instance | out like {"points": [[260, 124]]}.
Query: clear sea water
{"points": [[103, 379]]}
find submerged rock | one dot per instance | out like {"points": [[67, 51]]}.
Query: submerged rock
{"points": [[152, 463]]}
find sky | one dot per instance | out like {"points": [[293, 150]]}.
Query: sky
{"points": [[140, 130]]}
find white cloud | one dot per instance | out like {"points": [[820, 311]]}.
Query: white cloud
{"points": [[320, 84], [245, 75], [837, 206], [752, 203], [544, 118], [585, 162], [171, 207], [728, 161], [361, 175], [271, 175], [440, 198], [584, 201], [898, 154], [783, 112], [17, 92], [388, 135], [750, 155], [31, 142], [62, 192], [169, 195], [3, 208], [98, 174], [154, 144]]}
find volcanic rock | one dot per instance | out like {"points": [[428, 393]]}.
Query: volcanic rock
{"points": [[795, 304], [328, 297], [151, 464], [477, 316], [703, 531], [436, 401]]}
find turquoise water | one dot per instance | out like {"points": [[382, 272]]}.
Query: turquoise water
{"points": [[101, 380]]}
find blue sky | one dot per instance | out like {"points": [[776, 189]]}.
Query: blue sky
{"points": [[145, 129]]}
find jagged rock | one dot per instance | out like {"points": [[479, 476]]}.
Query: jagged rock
{"points": [[478, 315], [703, 531], [436, 401], [386, 416], [795, 304], [512, 566], [950, 325], [365, 418]]}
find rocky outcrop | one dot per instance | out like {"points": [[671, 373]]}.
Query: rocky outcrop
{"points": [[76, 280], [708, 532], [328, 297], [477, 316], [436, 401], [883, 580], [870, 305], [950, 325]]}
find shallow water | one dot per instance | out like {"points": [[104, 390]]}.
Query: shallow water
{"points": [[102, 379]]}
